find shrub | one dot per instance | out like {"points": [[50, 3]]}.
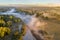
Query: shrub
{"points": [[46, 17], [3, 31]]}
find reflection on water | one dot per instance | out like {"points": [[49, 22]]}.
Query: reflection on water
{"points": [[31, 21]]}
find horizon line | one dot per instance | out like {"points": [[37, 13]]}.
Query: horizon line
{"points": [[30, 4]]}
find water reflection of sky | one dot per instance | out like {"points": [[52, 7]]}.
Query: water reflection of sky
{"points": [[25, 19]]}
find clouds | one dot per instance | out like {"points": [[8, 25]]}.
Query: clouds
{"points": [[9, 1], [29, 1], [40, 1]]}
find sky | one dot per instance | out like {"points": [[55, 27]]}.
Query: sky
{"points": [[29, 1]]}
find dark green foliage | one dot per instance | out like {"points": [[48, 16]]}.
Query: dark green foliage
{"points": [[7, 24]]}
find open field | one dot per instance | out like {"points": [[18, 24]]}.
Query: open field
{"points": [[50, 15]]}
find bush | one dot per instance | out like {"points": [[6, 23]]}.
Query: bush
{"points": [[3, 31], [17, 20], [9, 26], [46, 17]]}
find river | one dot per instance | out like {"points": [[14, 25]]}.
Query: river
{"points": [[30, 20]]}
